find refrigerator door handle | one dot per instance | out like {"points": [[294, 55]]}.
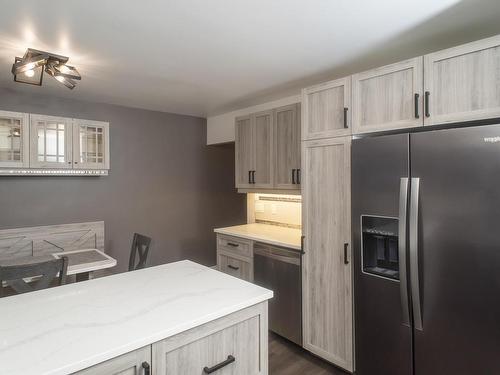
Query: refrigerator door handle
{"points": [[403, 286], [414, 274]]}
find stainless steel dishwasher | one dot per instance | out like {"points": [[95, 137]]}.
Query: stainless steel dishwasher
{"points": [[279, 269]]}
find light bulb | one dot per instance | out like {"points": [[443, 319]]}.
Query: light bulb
{"points": [[29, 73]]}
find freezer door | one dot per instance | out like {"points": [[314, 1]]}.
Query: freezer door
{"points": [[458, 241], [383, 333]]}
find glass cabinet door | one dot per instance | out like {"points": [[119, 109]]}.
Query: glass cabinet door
{"points": [[51, 142], [14, 146], [90, 144]]}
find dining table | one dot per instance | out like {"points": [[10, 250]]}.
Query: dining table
{"points": [[81, 263]]}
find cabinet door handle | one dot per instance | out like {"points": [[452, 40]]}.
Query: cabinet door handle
{"points": [[427, 112], [146, 367], [298, 176], [233, 244], [416, 105], [253, 177], [249, 177], [345, 118], [302, 238], [233, 267], [208, 370], [293, 176], [346, 259]]}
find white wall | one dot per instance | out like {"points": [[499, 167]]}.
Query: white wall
{"points": [[220, 128]]}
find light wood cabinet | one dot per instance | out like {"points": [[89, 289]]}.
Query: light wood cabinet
{"points": [[326, 110], [236, 343], [263, 136], [389, 97], [235, 266], [133, 363], [463, 83], [51, 142], [327, 269], [287, 147], [253, 150], [14, 140], [235, 257], [244, 151], [90, 144]]}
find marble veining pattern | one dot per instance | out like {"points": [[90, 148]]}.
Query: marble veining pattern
{"points": [[69, 328]]}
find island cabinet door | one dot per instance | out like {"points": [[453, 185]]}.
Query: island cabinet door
{"points": [[233, 345], [137, 362]]}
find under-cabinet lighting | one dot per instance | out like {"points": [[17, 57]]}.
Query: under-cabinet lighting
{"points": [[53, 172]]}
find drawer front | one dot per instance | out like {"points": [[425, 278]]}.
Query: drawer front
{"points": [[132, 363], [240, 341], [235, 267], [235, 245]]}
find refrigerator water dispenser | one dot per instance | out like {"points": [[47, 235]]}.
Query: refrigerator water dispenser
{"points": [[380, 246]]}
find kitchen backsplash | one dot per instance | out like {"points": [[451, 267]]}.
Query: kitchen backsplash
{"points": [[284, 210]]}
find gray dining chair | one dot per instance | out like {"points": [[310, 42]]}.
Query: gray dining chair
{"points": [[140, 250], [46, 273]]}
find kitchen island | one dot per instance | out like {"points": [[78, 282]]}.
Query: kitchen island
{"points": [[178, 318]]}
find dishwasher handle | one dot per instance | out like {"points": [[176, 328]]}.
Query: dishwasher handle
{"points": [[282, 255]]}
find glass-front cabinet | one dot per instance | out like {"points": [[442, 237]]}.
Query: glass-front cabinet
{"points": [[33, 145], [14, 144], [51, 142], [90, 144]]}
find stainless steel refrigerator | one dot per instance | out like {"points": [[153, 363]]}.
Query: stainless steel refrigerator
{"points": [[426, 239]]}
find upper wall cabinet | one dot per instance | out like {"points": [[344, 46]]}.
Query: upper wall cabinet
{"points": [[388, 98], [90, 144], [287, 171], [267, 150], [326, 110], [244, 151], [33, 144], [463, 83], [51, 142], [254, 156], [14, 139], [262, 175]]}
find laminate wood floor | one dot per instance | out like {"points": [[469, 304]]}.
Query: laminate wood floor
{"points": [[286, 358]]}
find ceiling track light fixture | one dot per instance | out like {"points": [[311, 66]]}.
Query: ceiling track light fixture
{"points": [[30, 68]]}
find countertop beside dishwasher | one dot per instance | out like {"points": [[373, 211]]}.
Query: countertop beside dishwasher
{"points": [[271, 234]]}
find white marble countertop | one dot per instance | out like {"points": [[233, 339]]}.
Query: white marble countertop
{"points": [[271, 234], [71, 327]]}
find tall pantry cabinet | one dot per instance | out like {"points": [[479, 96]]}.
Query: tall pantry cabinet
{"points": [[326, 263]]}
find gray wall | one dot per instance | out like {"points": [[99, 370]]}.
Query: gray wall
{"points": [[164, 182]]}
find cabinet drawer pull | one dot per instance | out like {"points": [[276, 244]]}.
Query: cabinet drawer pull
{"points": [[416, 105], [427, 112], [230, 359], [233, 244], [233, 267], [293, 176], [146, 368], [345, 118]]}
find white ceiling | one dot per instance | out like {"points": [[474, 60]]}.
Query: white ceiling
{"points": [[203, 57]]}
